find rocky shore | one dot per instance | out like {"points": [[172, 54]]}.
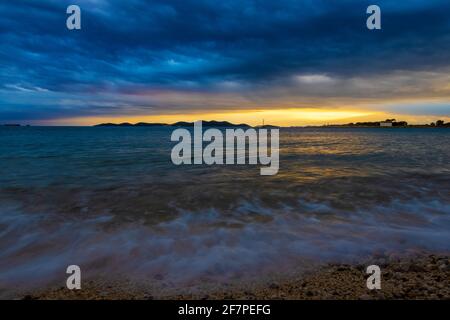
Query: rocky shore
{"points": [[423, 277]]}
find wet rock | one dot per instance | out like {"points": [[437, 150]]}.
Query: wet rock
{"points": [[416, 268], [402, 267], [274, 286], [444, 267], [397, 276], [360, 267]]}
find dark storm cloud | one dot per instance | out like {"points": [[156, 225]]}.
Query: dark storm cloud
{"points": [[130, 46]]}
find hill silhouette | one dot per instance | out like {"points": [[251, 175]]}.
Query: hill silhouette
{"points": [[213, 123]]}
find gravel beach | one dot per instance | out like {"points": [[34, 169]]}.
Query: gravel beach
{"points": [[421, 277]]}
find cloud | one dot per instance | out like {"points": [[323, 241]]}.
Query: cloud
{"points": [[21, 88], [313, 79], [256, 53]]}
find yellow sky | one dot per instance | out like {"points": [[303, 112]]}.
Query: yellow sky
{"points": [[281, 117]]}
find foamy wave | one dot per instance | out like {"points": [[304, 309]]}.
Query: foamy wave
{"points": [[35, 249]]}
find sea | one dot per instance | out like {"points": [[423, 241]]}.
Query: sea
{"points": [[110, 200]]}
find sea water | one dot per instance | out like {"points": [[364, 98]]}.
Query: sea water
{"points": [[111, 201]]}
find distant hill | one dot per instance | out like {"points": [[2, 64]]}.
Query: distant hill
{"points": [[124, 124], [393, 122], [213, 124], [145, 124]]}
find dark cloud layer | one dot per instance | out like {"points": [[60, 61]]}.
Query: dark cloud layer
{"points": [[127, 47]]}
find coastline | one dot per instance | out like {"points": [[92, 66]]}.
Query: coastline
{"points": [[422, 276]]}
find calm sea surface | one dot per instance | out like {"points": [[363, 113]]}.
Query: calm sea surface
{"points": [[111, 201]]}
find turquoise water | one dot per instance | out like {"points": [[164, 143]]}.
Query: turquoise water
{"points": [[111, 201]]}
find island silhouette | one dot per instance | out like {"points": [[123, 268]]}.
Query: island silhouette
{"points": [[393, 123]]}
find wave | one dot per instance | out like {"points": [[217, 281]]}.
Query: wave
{"points": [[35, 249]]}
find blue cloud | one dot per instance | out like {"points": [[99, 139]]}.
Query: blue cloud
{"points": [[128, 46]]}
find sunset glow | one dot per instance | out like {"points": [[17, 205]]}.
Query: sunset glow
{"points": [[245, 66], [282, 117]]}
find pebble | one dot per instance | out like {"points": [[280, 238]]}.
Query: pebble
{"points": [[274, 286]]}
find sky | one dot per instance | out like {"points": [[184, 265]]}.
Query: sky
{"points": [[289, 62]]}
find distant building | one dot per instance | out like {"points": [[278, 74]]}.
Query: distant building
{"points": [[385, 124]]}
